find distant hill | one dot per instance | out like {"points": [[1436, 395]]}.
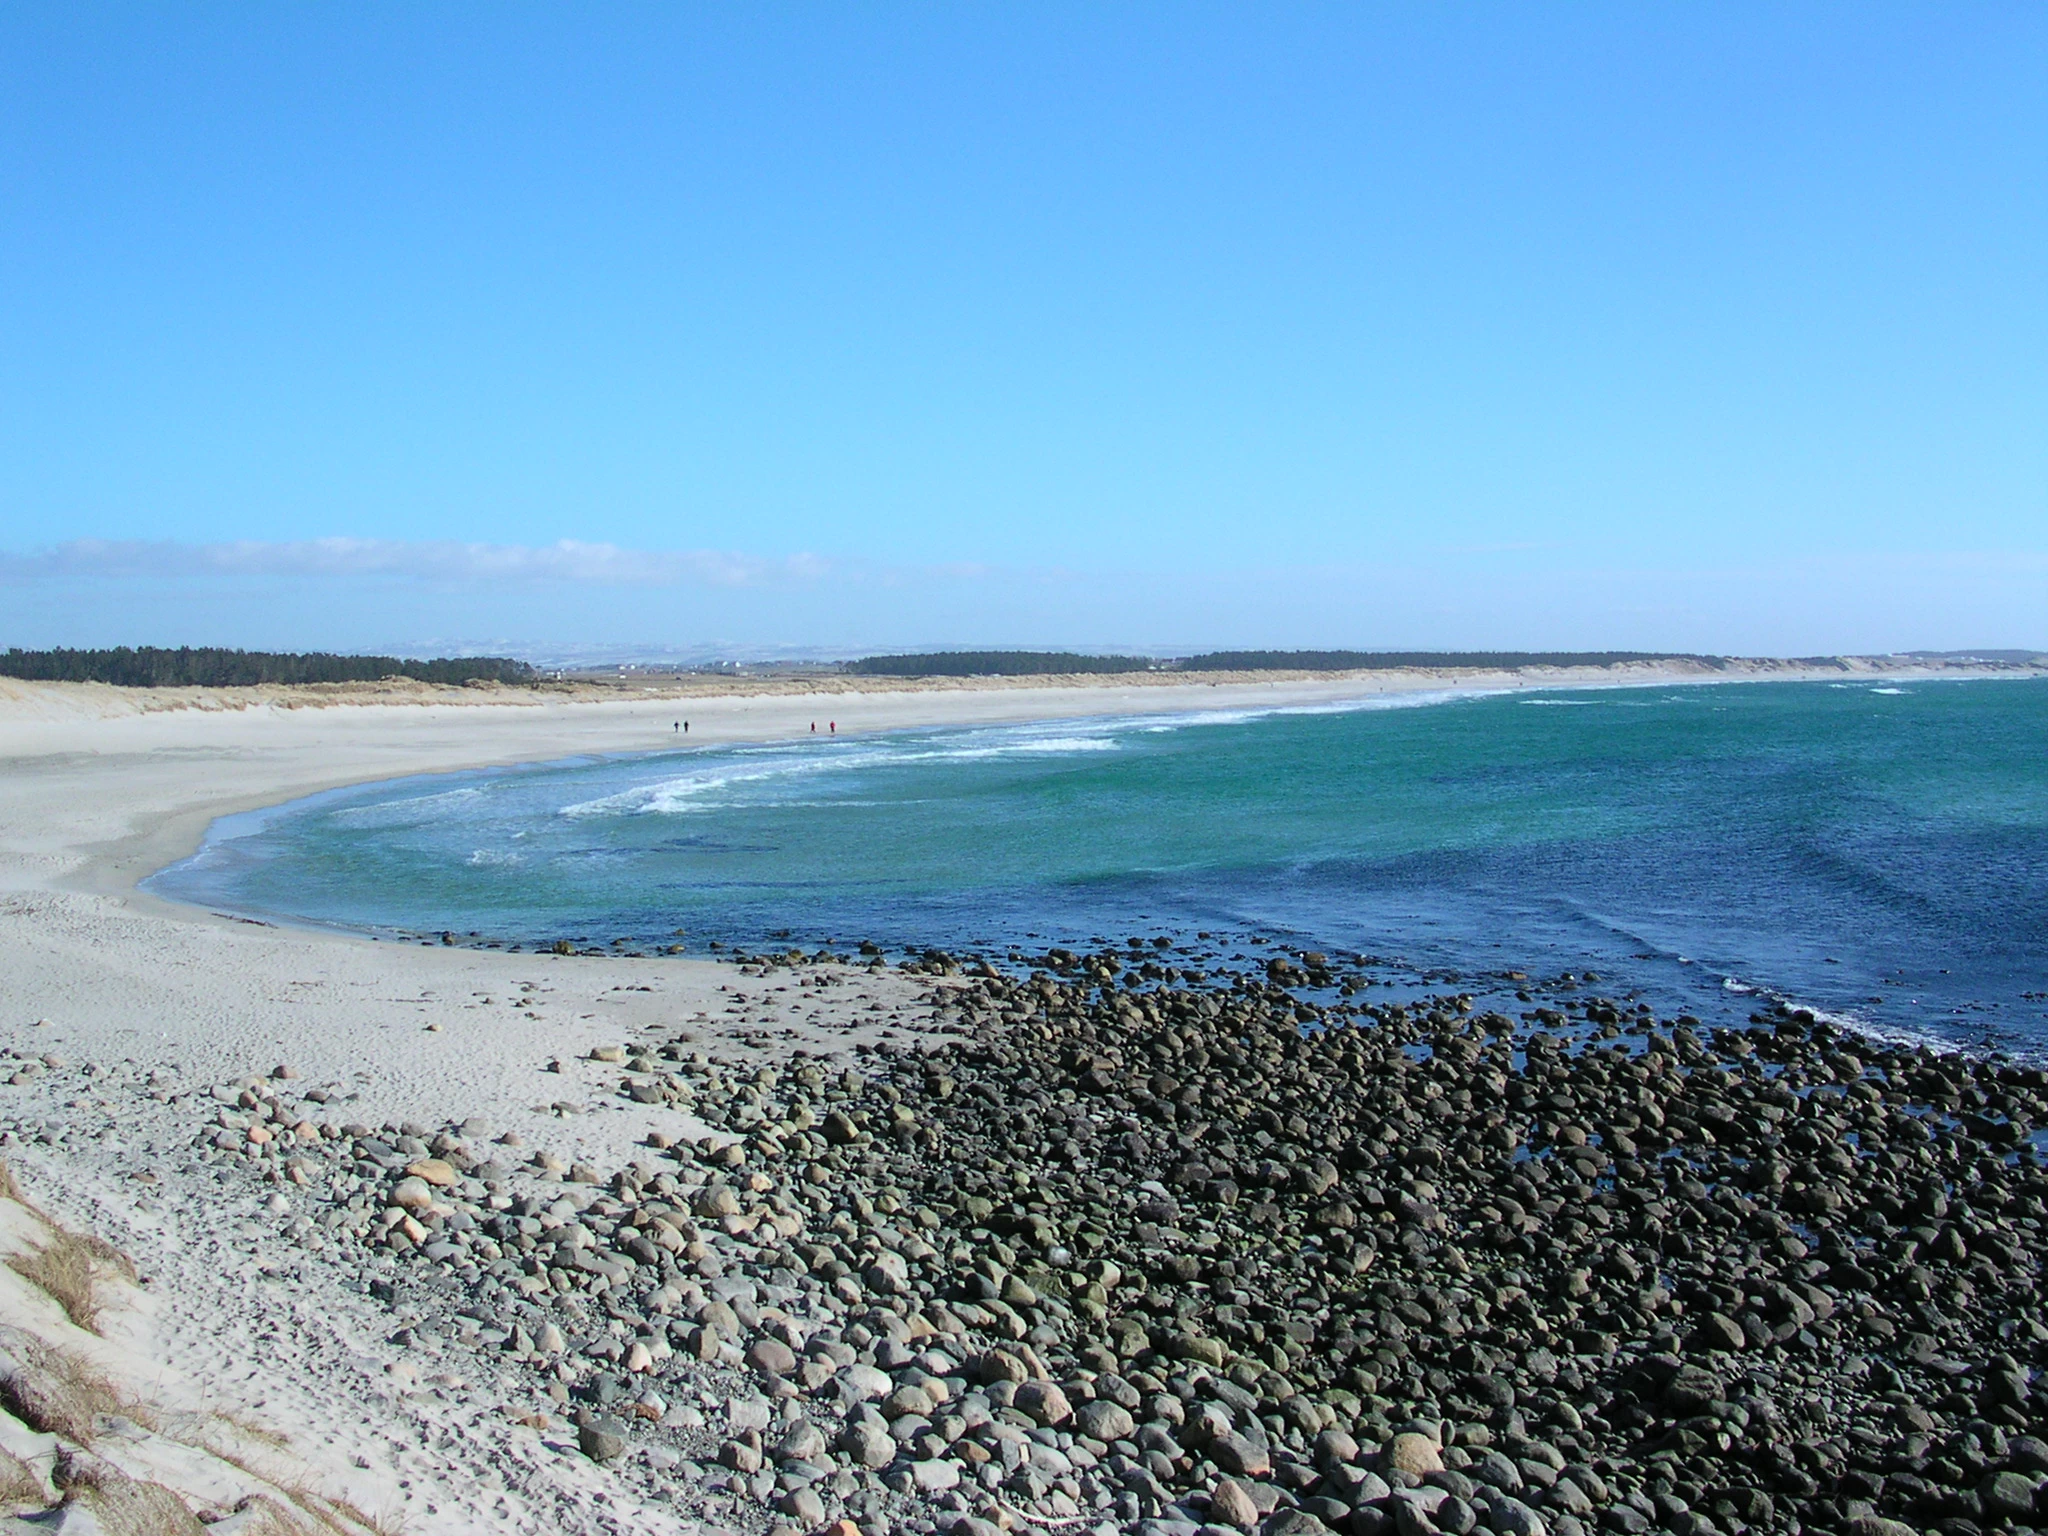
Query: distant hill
{"points": [[994, 664], [1041, 663], [1357, 661], [2021, 658], [209, 667]]}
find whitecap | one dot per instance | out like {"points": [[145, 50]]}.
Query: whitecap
{"points": [[391, 813], [763, 768], [1893, 1034], [676, 794], [1155, 725], [1050, 746]]}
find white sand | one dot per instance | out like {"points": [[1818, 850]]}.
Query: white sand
{"points": [[94, 796], [93, 799], [165, 1428], [96, 793]]}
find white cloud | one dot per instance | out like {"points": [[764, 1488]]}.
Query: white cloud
{"points": [[442, 560], [324, 593]]}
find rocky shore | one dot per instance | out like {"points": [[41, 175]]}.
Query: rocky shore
{"points": [[1118, 1251]]}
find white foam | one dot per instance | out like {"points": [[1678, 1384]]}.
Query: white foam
{"points": [[685, 794], [393, 813], [1153, 725], [1890, 1034], [1050, 747], [679, 793], [762, 767]]}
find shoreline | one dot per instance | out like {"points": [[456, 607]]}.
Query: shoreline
{"points": [[911, 941], [1124, 1252], [91, 805], [28, 720], [604, 726], [167, 1022], [57, 701]]}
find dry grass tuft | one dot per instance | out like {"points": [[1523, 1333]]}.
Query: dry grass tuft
{"points": [[344, 1518], [70, 1265], [266, 1517], [52, 1391], [69, 1268], [19, 1487], [122, 1503], [262, 1434], [329, 1516]]}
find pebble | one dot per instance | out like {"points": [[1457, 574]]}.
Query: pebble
{"points": [[602, 1439], [1177, 1254], [1230, 1504], [1413, 1454], [1044, 1402], [771, 1357]]}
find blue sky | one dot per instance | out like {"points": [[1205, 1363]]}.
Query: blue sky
{"points": [[1712, 327]]}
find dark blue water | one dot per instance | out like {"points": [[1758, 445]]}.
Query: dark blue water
{"points": [[1880, 852]]}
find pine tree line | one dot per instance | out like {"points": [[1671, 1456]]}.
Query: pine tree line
{"points": [[214, 667]]}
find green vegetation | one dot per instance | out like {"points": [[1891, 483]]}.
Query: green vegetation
{"points": [[210, 667], [1383, 661], [994, 664]]}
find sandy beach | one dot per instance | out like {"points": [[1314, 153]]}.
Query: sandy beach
{"points": [[998, 771], [145, 1008], [100, 787]]}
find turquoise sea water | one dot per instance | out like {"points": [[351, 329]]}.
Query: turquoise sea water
{"points": [[1878, 851]]}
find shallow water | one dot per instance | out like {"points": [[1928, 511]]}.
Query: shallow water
{"points": [[1878, 851]]}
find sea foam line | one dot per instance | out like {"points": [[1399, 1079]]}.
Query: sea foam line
{"points": [[683, 793]]}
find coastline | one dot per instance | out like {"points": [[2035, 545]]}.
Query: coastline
{"points": [[285, 744], [154, 1009], [283, 752], [92, 802]]}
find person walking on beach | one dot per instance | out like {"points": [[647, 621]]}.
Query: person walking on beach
{"points": [[835, 727]]}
